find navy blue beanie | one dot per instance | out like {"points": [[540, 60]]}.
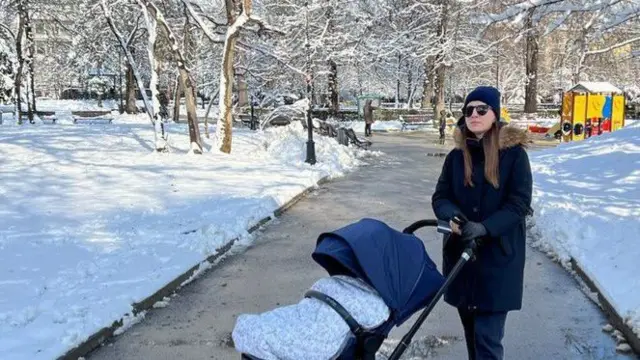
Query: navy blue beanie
{"points": [[488, 95]]}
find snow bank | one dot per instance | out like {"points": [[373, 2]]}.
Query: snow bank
{"points": [[587, 207], [92, 220]]}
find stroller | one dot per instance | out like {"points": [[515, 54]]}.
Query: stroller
{"points": [[398, 269]]}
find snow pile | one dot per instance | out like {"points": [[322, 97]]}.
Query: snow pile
{"points": [[92, 220], [289, 145], [587, 207], [631, 122]]}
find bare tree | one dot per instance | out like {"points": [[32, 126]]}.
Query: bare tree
{"points": [[185, 77], [239, 15], [154, 65], [158, 141]]}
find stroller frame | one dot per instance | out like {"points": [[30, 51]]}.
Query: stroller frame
{"points": [[368, 343]]}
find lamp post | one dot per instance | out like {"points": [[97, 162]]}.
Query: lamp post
{"points": [[311, 149]]}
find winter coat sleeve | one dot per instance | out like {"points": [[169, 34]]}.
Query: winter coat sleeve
{"points": [[442, 199], [517, 204]]}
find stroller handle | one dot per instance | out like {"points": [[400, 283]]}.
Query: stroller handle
{"points": [[420, 224], [466, 255]]}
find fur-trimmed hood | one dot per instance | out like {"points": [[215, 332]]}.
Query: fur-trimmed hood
{"points": [[510, 136]]}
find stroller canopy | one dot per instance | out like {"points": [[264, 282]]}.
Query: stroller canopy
{"points": [[395, 264]]}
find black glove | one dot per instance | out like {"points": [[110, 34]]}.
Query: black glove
{"points": [[472, 230]]}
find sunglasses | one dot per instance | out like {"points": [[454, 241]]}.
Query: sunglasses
{"points": [[480, 109]]}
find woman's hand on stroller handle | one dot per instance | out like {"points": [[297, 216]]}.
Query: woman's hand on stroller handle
{"points": [[455, 228], [457, 222], [465, 229], [473, 230], [444, 227]]}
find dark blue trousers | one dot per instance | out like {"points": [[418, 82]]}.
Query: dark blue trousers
{"points": [[483, 332]]}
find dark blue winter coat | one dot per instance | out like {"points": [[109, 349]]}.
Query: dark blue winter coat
{"points": [[494, 281]]}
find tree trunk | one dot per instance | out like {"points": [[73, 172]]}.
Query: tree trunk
{"points": [[177, 95], [427, 89], [225, 120], [398, 81], [242, 89], [334, 104], [28, 99], [409, 88], [441, 70], [241, 81], [190, 101], [441, 74], [131, 107], [497, 60], [531, 64], [20, 56], [30, 43]]}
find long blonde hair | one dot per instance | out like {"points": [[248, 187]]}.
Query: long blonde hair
{"points": [[491, 148]]}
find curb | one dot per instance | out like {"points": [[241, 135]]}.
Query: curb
{"points": [[97, 339], [614, 318]]}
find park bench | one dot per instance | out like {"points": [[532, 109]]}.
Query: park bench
{"points": [[327, 129], [92, 116], [417, 120], [43, 115], [353, 139], [322, 128], [245, 119]]}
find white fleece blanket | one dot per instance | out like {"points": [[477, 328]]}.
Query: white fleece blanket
{"points": [[310, 329]]}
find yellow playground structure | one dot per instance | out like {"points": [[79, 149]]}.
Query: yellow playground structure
{"points": [[589, 109]]}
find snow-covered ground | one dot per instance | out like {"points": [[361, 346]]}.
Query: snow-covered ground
{"points": [[549, 122], [587, 207], [92, 220]]}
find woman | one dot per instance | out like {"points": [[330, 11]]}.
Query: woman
{"points": [[442, 124], [368, 117], [487, 180]]}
